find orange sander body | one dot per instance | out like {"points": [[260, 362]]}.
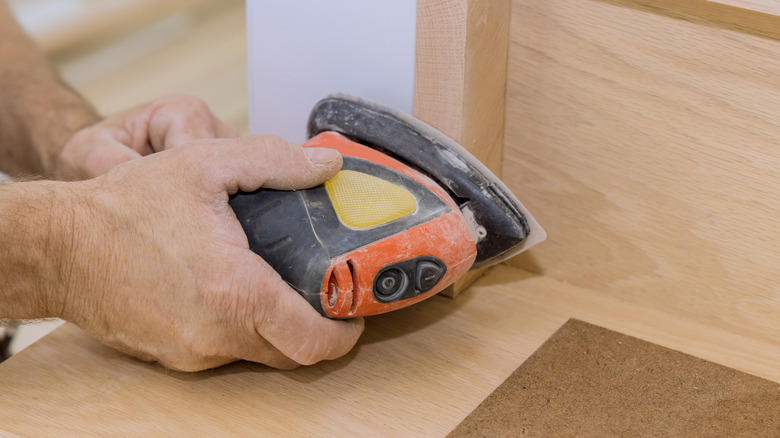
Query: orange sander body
{"points": [[409, 213]]}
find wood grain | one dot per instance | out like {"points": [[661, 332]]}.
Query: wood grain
{"points": [[416, 372], [460, 78], [648, 146]]}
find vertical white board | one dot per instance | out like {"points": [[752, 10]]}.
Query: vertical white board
{"points": [[302, 50]]}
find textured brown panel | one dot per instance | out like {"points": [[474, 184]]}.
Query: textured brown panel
{"points": [[590, 381]]}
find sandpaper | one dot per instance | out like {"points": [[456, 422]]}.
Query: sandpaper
{"points": [[589, 381]]}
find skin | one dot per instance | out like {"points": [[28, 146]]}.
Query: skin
{"points": [[38, 112], [139, 246]]}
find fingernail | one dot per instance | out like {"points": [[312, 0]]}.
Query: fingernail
{"points": [[321, 155]]}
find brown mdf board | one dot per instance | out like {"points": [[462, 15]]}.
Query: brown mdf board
{"points": [[647, 145], [460, 78], [590, 381]]}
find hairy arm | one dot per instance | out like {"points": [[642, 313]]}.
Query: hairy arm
{"points": [[38, 111]]}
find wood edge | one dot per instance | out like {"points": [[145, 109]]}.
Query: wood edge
{"points": [[485, 76], [766, 6], [463, 283], [710, 13], [461, 60]]}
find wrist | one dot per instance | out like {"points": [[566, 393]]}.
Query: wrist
{"points": [[37, 229], [52, 128], [38, 114]]}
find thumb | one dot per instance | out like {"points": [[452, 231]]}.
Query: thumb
{"points": [[272, 162]]}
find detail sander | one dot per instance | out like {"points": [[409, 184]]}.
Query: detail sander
{"points": [[409, 213]]}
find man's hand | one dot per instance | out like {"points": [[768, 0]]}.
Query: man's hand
{"points": [[160, 268], [160, 125]]}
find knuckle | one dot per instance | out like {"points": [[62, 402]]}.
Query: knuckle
{"points": [[316, 350], [275, 154], [276, 143], [185, 106], [194, 104]]}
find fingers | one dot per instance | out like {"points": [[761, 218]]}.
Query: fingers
{"points": [[106, 156], [265, 354], [179, 119], [86, 157], [163, 124], [292, 325], [255, 349], [223, 130], [295, 333], [272, 162], [299, 334]]}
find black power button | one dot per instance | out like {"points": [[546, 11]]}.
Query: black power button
{"points": [[427, 274], [390, 282]]}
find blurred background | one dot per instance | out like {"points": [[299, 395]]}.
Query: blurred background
{"points": [[121, 53]]}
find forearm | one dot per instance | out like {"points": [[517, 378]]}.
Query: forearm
{"points": [[38, 112], [35, 232]]}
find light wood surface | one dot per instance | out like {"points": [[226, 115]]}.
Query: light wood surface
{"points": [[416, 372], [648, 146], [460, 78]]}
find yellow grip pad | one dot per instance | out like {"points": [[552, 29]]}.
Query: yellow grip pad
{"points": [[365, 201]]}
